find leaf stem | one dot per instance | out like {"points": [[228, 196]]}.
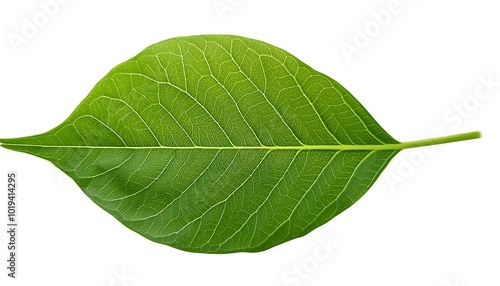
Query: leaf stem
{"points": [[441, 140]]}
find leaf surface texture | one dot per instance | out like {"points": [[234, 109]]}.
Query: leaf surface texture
{"points": [[217, 144]]}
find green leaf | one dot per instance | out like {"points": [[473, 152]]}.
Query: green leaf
{"points": [[219, 144]]}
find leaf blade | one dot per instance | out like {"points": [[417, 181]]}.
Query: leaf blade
{"points": [[218, 144]]}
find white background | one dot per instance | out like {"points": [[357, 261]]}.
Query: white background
{"points": [[433, 217]]}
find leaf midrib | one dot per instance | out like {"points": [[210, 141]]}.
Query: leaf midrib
{"points": [[341, 147]]}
